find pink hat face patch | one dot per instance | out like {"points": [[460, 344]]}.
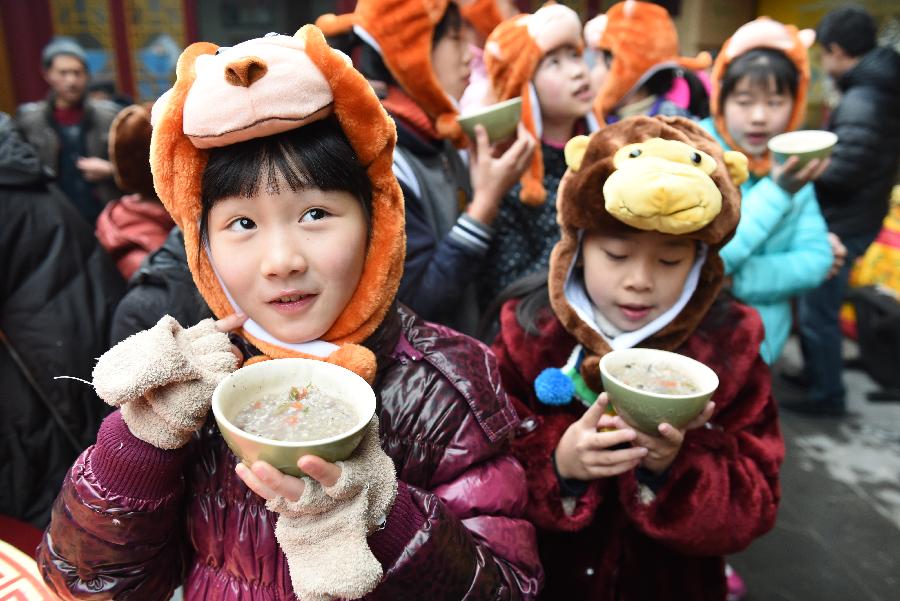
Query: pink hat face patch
{"points": [[554, 26], [254, 89]]}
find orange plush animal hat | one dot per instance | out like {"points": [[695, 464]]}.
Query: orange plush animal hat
{"points": [[402, 32], [663, 174], [763, 33], [129, 150], [512, 54], [260, 88], [484, 15], [642, 39]]}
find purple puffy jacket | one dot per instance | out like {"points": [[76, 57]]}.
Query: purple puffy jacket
{"points": [[135, 522]]}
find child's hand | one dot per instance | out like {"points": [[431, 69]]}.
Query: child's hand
{"points": [[229, 324], [583, 453], [839, 252], [791, 177], [493, 176], [268, 482], [663, 449]]}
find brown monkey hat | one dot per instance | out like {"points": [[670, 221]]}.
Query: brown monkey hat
{"points": [[263, 87], [643, 173]]}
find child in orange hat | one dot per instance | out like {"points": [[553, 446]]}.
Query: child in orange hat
{"points": [[537, 57], [760, 80], [641, 49], [274, 156], [418, 51]]}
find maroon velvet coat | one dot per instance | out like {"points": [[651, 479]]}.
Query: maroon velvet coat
{"points": [[720, 494], [135, 525]]}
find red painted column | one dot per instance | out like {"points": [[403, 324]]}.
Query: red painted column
{"points": [[119, 26], [190, 21], [27, 26]]}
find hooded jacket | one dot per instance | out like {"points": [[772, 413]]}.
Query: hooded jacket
{"points": [[855, 190], [58, 290], [455, 530], [597, 538]]}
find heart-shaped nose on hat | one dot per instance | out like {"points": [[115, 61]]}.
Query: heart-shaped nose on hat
{"points": [[245, 71]]}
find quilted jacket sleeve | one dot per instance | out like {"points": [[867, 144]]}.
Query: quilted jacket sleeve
{"points": [[115, 530]]}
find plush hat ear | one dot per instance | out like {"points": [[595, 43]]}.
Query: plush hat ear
{"points": [[737, 166], [807, 37], [574, 151]]}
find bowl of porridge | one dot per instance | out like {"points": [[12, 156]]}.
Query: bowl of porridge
{"points": [[806, 145], [648, 387], [279, 410]]}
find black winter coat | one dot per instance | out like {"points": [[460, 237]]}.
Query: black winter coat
{"points": [[853, 193], [58, 289], [163, 285]]}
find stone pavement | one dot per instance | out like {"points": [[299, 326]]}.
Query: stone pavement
{"points": [[837, 537]]}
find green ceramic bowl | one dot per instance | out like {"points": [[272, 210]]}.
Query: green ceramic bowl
{"points": [[500, 120], [806, 145], [646, 410], [278, 375]]}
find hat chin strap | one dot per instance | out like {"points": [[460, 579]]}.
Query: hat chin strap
{"points": [[317, 348]]}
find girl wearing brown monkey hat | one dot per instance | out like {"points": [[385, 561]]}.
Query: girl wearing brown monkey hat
{"points": [[644, 208]]}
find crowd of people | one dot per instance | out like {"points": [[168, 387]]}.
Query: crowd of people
{"points": [[313, 195]]}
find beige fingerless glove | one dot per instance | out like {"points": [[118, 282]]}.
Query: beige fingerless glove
{"points": [[324, 533], [163, 378]]}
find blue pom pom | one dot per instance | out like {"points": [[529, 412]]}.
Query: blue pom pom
{"points": [[553, 387]]}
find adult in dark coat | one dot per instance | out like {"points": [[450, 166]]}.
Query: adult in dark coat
{"points": [[58, 289], [854, 191]]}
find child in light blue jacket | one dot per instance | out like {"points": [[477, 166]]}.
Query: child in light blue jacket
{"points": [[781, 246]]}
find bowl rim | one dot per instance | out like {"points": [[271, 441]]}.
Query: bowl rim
{"points": [[669, 354], [222, 420], [489, 109], [823, 133]]}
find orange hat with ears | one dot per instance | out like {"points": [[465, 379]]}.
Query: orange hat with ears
{"points": [[484, 15], [642, 39], [402, 32], [512, 54], [260, 88], [763, 33]]}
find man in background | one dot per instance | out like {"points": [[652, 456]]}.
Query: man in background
{"points": [[70, 131], [854, 191]]}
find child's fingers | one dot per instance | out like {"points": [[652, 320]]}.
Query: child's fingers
{"points": [[601, 441], [610, 458], [252, 482], [482, 142], [277, 483], [324, 472], [705, 416], [671, 434], [591, 417], [231, 322], [610, 471]]}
